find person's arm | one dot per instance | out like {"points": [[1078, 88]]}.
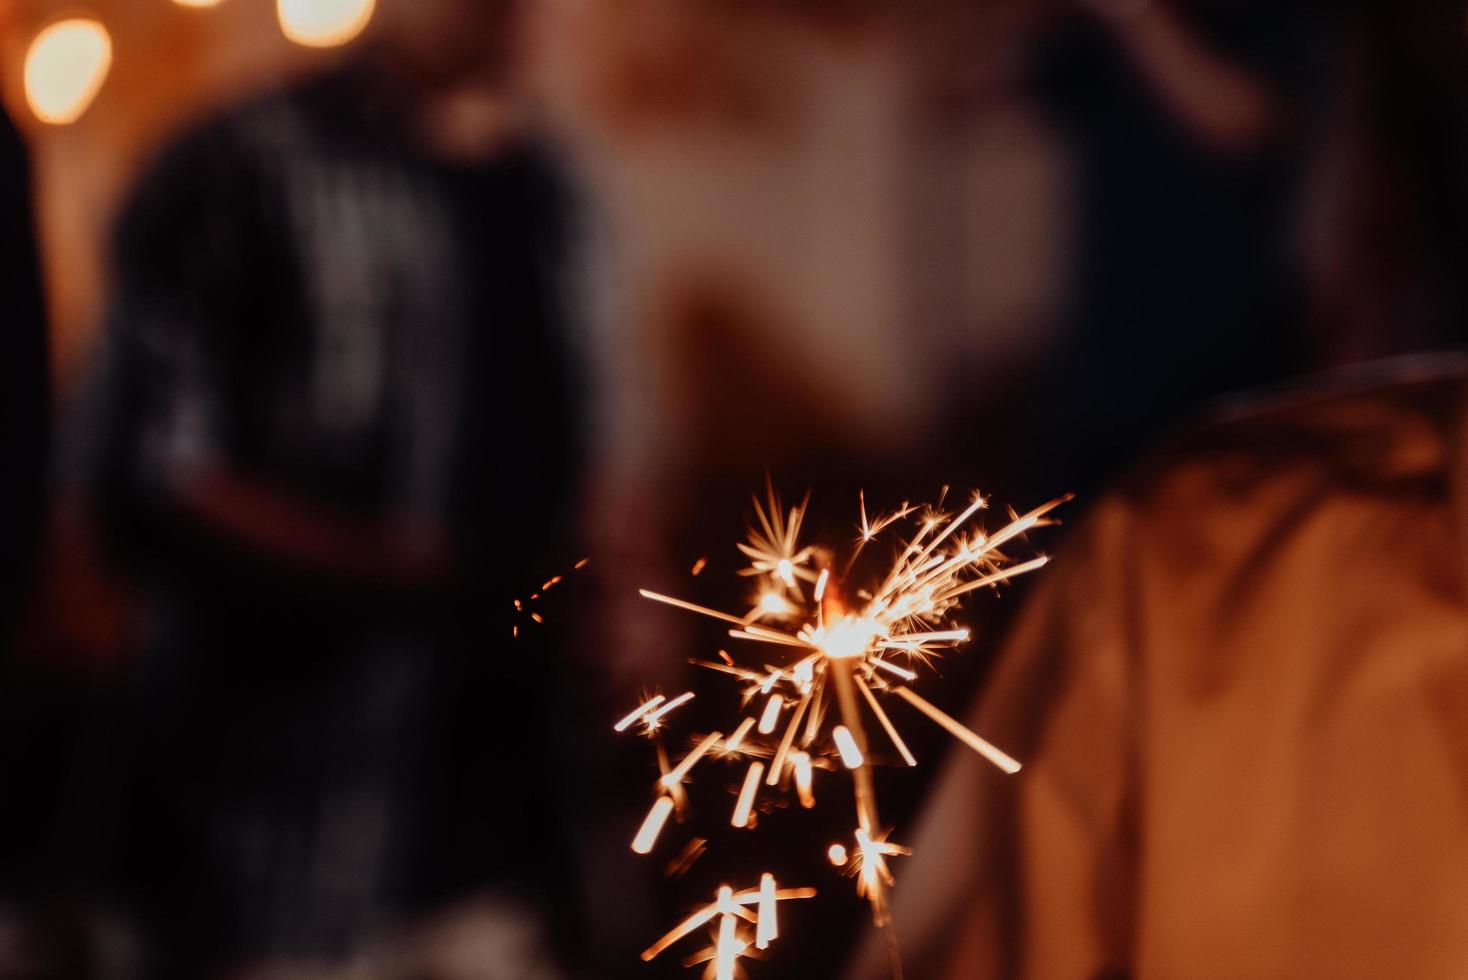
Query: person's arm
{"points": [[279, 531], [1030, 875], [1222, 103]]}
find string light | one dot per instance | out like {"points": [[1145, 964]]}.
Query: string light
{"points": [[323, 23], [65, 67]]}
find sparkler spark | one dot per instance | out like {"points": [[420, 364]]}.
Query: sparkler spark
{"points": [[523, 606], [647, 836], [737, 928], [851, 756], [690, 853], [821, 662]]}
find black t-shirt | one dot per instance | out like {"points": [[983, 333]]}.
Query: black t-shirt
{"points": [[305, 299]]}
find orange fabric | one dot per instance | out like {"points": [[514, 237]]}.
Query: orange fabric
{"points": [[1241, 694]]}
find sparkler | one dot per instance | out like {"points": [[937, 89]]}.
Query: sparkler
{"points": [[525, 608], [833, 658]]}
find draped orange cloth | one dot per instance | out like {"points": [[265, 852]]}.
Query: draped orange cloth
{"points": [[1241, 694]]}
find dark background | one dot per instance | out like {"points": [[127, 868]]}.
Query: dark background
{"points": [[893, 246]]}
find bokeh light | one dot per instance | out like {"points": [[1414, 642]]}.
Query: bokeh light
{"points": [[65, 68], [323, 23]]}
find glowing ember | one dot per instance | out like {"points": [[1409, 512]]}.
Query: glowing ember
{"points": [[847, 637], [523, 606]]}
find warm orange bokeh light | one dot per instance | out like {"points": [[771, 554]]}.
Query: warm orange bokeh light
{"points": [[323, 23], [65, 68]]}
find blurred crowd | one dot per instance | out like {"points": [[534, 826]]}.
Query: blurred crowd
{"points": [[363, 349]]}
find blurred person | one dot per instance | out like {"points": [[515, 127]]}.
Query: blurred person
{"points": [[1186, 121], [1239, 697], [337, 431]]}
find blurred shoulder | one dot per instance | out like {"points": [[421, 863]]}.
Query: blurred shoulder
{"points": [[223, 166], [1384, 428], [1372, 441]]}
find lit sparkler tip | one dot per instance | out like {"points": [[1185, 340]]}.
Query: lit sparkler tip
{"points": [[849, 636], [836, 854]]}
